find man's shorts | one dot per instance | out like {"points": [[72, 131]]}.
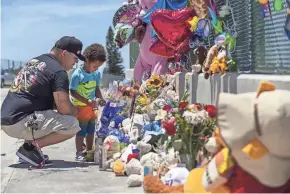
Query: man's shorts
{"points": [[87, 120], [47, 121]]}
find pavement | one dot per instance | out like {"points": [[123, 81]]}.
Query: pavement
{"points": [[65, 175]]}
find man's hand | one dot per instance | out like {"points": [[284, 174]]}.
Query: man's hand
{"points": [[101, 102], [63, 104]]}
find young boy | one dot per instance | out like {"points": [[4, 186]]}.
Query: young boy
{"points": [[84, 87]]}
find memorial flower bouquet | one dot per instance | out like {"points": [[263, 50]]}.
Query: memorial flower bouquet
{"points": [[188, 126]]}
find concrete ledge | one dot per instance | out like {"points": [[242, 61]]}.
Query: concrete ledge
{"points": [[250, 82], [129, 74], [180, 83], [206, 91]]}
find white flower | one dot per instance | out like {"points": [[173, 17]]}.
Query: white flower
{"points": [[195, 118], [161, 114]]}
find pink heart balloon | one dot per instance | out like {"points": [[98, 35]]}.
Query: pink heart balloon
{"points": [[172, 27]]}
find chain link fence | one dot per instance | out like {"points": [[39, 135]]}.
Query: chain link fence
{"points": [[11, 66]]}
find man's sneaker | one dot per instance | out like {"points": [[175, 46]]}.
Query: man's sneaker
{"points": [[28, 153], [20, 160], [80, 156]]}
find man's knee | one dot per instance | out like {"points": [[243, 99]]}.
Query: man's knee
{"points": [[71, 125]]}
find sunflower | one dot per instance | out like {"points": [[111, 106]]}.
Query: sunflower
{"points": [[143, 99], [155, 81]]}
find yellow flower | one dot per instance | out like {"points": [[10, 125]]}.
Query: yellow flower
{"points": [[143, 99], [155, 81]]}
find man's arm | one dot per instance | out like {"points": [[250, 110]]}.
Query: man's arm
{"points": [[60, 88], [63, 103], [98, 93]]}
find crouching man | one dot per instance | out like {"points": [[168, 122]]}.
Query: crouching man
{"points": [[27, 111]]}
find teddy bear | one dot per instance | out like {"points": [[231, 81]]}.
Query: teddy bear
{"points": [[215, 61], [250, 147], [201, 54], [219, 63]]}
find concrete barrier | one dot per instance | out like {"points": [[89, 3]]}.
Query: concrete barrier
{"points": [[206, 91], [250, 82]]}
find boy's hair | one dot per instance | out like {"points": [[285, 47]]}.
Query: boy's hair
{"points": [[95, 52]]}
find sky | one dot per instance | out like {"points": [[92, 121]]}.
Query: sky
{"points": [[31, 27]]}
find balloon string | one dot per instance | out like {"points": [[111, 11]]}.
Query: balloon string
{"points": [[212, 7]]}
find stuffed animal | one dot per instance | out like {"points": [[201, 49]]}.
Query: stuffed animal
{"points": [[200, 7], [113, 144], [148, 143], [215, 61], [252, 147], [201, 53]]}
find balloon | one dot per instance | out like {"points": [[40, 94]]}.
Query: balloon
{"points": [[171, 27], [278, 5], [164, 4], [232, 43], [263, 2], [160, 4], [193, 23], [176, 4], [126, 14], [127, 33], [218, 28], [213, 16], [203, 28], [161, 49], [220, 40]]}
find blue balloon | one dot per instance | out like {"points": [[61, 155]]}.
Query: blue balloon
{"points": [[160, 4], [176, 4], [213, 15]]}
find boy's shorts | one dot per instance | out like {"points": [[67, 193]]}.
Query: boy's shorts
{"points": [[87, 119]]}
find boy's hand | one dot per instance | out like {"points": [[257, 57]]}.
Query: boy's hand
{"points": [[92, 103]]}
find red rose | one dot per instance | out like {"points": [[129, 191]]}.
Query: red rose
{"points": [[211, 110], [182, 105], [167, 108], [169, 126]]}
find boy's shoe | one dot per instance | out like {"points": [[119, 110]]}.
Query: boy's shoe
{"points": [[28, 153], [80, 156], [90, 156]]}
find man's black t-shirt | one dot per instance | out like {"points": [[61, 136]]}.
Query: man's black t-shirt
{"points": [[33, 87]]}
